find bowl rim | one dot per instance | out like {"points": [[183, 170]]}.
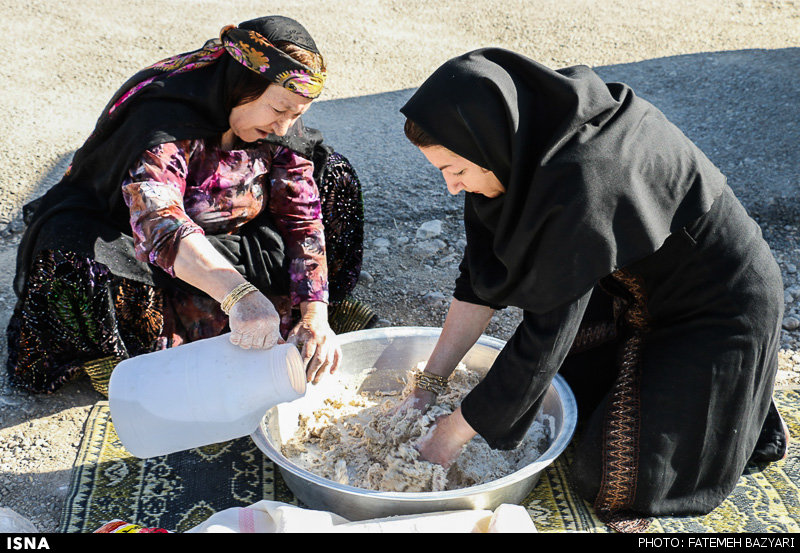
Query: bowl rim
{"points": [[556, 448]]}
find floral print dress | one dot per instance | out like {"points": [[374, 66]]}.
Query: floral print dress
{"points": [[194, 186], [75, 316]]}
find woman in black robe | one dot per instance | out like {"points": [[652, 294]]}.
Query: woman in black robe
{"points": [[89, 296], [641, 278]]}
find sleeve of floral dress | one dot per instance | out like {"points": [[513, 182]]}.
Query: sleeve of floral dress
{"points": [[153, 191], [295, 205]]}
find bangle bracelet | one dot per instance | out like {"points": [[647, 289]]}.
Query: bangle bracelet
{"points": [[430, 382], [235, 295]]}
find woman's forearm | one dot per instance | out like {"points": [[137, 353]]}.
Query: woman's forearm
{"points": [[254, 322], [464, 324], [201, 265]]}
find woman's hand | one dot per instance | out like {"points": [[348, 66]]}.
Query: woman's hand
{"points": [[254, 322], [318, 343], [418, 399], [253, 319], [444, 441]]}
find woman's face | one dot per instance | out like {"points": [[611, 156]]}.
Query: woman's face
{"points": [[273, 112], [461, 174]]}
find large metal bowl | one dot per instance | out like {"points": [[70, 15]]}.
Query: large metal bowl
{"points": [[392, 352]]}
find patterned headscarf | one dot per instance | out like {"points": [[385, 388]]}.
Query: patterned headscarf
{"points": [[255, 52], [248, 44]]}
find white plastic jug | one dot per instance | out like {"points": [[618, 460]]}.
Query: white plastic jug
{"points": [[199, 393]]}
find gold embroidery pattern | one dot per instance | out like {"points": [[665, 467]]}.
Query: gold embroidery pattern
{"points": [[621, 444], [591, 336]]}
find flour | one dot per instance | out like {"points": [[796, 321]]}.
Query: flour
{"points": [[357, 438]]}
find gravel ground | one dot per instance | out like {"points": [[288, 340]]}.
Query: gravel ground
{"points": [[724, 71]]}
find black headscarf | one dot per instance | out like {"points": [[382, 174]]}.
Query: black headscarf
{"points": [[183, 97], [596, 178]]}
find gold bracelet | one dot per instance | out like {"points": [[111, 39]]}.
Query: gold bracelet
{"points": [[235, 295], [430, 382]]}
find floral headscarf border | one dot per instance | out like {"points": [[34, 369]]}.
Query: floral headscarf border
{"points": [[248, 48], [258, 54], [174, 65]]}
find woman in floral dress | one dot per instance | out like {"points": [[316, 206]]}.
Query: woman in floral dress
{"points": [[199, 205]]}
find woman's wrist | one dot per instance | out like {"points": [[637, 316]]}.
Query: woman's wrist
{"points": [[433, 383], [460, 429], [312, 309], [235, 295]]}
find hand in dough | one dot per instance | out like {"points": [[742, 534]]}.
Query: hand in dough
{"points": [[443, 442], [418, 399]]}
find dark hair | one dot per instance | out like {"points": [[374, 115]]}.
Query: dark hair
{"points": [[417, 136], [248, 85]]}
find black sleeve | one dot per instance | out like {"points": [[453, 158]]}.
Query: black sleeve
{"points": [[502, 407], [463, 290]]}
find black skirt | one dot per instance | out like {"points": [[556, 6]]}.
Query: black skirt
{"points": [[676, 401]]}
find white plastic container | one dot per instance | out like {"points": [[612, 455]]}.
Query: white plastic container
{"points": [[199, 393]]}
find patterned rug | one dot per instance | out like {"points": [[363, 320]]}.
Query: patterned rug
{"points": [[181, 490]]}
